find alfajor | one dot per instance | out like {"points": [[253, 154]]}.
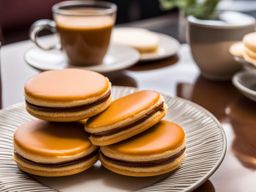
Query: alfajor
{"points": [[140, 39], [67, 95], [249, 53], [156, 151], [53, 149], [245, 49], [237, 49], [249, 41], [126, 117]]}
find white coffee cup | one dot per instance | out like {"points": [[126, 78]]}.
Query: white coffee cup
{"points": [[210, 41]]}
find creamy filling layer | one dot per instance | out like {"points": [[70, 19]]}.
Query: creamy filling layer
{"points": [[69, 109], [144, 163], [56, 165], [160, 107]]}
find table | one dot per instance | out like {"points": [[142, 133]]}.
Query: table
{"points": [[175, 76]]}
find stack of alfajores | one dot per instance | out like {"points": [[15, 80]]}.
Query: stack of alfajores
{"points": [[78, 123]]}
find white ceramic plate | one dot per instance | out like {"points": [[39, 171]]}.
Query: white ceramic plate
{"points": [[118, 57], [205, 150], [168, 46]]}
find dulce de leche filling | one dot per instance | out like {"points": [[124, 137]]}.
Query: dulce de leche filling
{"points": [[56, 165], [144, 163], [160, 107], [69, 109]]}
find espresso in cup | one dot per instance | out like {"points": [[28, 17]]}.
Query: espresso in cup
{"points": [[85, 40], [84, 29]]}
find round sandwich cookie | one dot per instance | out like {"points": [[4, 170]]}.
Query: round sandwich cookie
{"points": [[157, 151], [249, 41], [142, 40], [126, 117], [249, 59], [53, 149], [237, 49], [67, 95]]}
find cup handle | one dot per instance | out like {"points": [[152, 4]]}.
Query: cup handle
{"points": [[43, 24]]}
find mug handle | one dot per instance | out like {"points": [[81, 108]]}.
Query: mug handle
{"points": [[37, 27]]}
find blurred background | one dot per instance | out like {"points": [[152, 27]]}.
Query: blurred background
{"points": [[16, 16]]}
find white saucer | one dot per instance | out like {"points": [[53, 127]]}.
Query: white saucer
{"points": [[168, 46], [118, 57], [245, 82]]}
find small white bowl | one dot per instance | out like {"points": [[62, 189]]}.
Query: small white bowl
{"points": [[245, 82]]}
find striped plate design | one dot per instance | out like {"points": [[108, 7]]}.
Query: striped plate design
{"points": [[205, 142]]}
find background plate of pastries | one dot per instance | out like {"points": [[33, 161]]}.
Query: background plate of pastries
{"points": [[151, 45], [245, 53], [76, 132]]}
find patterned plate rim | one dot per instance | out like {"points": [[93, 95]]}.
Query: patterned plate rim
{"points": [[218, 163], [131, 89]]}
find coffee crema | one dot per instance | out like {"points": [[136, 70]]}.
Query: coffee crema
{"points": [[85, 39]]}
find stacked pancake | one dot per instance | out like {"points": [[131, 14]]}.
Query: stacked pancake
{"points": [[246, 49], [77, 118]]}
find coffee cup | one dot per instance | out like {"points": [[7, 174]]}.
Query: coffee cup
{"points": [[84, 29], [210, 41]]}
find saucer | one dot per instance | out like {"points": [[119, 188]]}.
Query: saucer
{"points": [[117, 58], [168, 46], [245, 82]]}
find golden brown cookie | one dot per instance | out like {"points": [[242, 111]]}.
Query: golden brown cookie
{"points": [[156, 151], [53, 149], [140, 39], [249, 41], [126, 117], [237, 49], [67, 95]]}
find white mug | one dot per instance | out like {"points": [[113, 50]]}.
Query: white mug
{"points": [[210, 41]]}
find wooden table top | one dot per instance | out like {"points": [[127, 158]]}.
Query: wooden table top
{"points": [[175, 76]]}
